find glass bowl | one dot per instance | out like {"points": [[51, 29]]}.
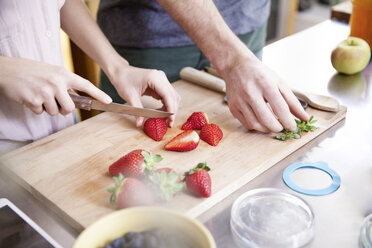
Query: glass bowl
{"points": [[365, 238], [269, 217]]}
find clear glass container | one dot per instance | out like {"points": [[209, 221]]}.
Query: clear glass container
{"points": [[365, 238], [269, 217]]}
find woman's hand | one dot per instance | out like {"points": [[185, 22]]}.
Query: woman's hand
{"points": [[40, 86], [132, 82]]}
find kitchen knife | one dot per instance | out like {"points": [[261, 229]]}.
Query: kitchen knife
{"points": [[87, 103]]}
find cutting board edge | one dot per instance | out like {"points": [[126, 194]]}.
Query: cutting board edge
{"points": [[200, 209], [42, 199]]}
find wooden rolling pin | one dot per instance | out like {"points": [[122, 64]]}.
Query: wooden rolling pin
{"points": [[212, 80]]}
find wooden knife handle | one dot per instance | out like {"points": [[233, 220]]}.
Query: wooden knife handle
{"points": [[82, 102], [204, 79], [212, 71]]}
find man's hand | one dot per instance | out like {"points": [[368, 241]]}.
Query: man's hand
{"points": [[249, 86], [132, 82], [40, 86]]}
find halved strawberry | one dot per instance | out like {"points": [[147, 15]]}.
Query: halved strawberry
{"points": [[134, 163], [196, 121], [183, 142], [211, 133], [167, 182], [198, 180], [129, 192], [155, 128]]}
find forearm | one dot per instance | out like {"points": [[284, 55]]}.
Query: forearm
{"points": [[77, 22], [202, 21]]}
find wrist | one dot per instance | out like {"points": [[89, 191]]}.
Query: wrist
{"points": [[113, 65], [236, 55]]}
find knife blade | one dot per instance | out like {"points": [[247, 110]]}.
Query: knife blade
{"points": [[87, 103]]}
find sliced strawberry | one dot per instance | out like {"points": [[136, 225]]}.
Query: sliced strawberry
{"points": [[212, 134], [183, 142], [167, 183], [129, 192], [155, 128], [198, 180], [196, 121], [134, 164]]}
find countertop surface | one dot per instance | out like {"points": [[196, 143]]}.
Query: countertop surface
{"points": [[302, 61]]}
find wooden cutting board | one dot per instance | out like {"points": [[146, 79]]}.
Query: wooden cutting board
{"points": [[67, 171]]}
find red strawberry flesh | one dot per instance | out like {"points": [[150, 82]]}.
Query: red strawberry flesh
{"points": [[183, 142]]}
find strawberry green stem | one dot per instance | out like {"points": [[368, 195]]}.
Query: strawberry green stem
{"points": [[167, 184], [151, 160], [200, 166], [119, 180]]}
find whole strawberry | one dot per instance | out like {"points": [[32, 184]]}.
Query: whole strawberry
{"points": [[134, 164], [183, 142], [155, 128], [198, 180], [211, 133], [196, 121], [129, 192], [166, 182]]}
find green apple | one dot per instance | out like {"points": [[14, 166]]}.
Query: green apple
{"points": [[351, 55]]}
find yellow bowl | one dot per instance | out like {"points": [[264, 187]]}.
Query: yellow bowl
{"points": [[140, 219]]}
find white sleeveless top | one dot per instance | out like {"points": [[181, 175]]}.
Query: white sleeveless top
{"points": [[29, 29]]}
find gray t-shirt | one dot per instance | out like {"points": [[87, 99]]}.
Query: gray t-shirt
{"points": [[145, 24]]}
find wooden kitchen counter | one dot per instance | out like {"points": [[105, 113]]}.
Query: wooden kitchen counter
{"points": [[303, 61]]}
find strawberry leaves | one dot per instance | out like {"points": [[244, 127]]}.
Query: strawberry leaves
{"points": [[168, 183], [197, 168], [150, 160], [116, 189]]}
